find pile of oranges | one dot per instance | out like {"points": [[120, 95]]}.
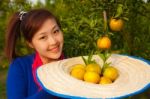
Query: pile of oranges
{"points": [[93, 73]]}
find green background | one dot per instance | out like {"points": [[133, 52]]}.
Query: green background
{"points": [[82, 24]]}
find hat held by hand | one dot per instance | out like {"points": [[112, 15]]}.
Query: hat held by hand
{"points": [[134, 78]]}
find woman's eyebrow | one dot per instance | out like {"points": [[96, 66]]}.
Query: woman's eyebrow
{"points": [[55, 26], [42, 33]]}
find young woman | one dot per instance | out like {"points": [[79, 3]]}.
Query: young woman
{"points": [[41, 31]]}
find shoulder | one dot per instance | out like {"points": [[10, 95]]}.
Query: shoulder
{"points": [[21, 64], [23, 61]]}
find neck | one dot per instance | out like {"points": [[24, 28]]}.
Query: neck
{"points": [[45, 61]]}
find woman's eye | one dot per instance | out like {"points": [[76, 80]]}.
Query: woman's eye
{"points": [[56, 31], [43, 37]]}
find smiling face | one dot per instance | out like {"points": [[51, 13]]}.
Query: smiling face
{"points": [[48, 41]]}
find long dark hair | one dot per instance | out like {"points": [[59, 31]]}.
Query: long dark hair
{"points": [[27, 26]]}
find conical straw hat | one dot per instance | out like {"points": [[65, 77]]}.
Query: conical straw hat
{"points": [[134, 78]]}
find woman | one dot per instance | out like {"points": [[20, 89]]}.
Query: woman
{"points": [[41, 31]]}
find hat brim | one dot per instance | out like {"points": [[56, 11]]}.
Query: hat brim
{"points": [[134, 78]]}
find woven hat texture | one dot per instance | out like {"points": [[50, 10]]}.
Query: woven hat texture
{"points": [[134, 76]]}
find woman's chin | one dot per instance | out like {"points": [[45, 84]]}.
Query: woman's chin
{"points": [[56, 56]]}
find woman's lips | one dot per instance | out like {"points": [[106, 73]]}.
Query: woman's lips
{"points": [[55, 49]]}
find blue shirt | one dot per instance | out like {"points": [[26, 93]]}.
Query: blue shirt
{"points": [[20, 82]]}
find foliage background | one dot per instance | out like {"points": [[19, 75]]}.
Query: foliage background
{"points": [[82, 24]]}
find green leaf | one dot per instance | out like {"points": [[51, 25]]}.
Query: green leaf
{"points": [[85, 61], [90, 57], [106, 65], [119, 10], [112, 1], [101, 56], [125, 18], [107, 55]]}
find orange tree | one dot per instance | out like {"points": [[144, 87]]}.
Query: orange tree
{"points": [[82, 23]]}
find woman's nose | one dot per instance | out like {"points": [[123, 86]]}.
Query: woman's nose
{"points": [[52, 40]]}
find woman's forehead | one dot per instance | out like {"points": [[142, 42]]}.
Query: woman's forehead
{"points": [[47, 26]]}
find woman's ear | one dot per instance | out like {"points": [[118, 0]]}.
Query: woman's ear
{"points": [[29, 44]]}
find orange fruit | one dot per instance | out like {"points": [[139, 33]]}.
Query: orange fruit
{"points": [[104, 42], [105, 80], [92, 77], [94, 67], [111, 73], [78, 73], [78, 66], [116, 24]]}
